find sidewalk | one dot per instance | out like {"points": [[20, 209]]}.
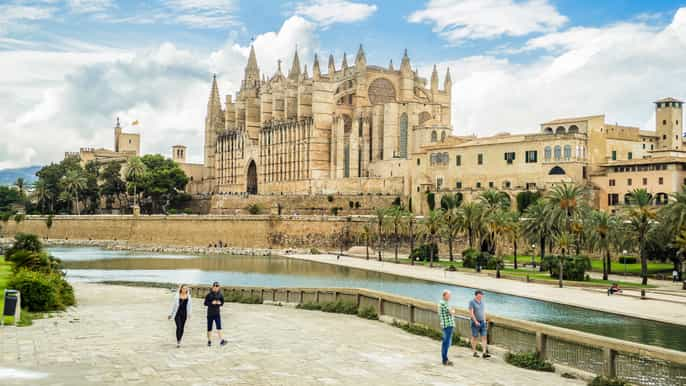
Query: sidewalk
{"points": [[658, 310]]}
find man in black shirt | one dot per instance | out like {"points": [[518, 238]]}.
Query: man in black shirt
{"points": [[214, 301]]}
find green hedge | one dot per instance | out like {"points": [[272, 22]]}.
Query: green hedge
{"points": [[471, 258], [42, 291], [423, 252], [529, 360], [574, 268], [604, 381], [628, 260]]}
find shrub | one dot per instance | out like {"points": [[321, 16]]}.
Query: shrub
{"points": [[188, 211], [529, 360], [423, 252], [574, 267], [368, 313], [340, 307], [26, 242], [309, 306], [34, 261], [237, 297], [431, 200], [254, 208], [172, 211], [628, 260], [41, 291], [471, 258], [418, 329], [604, 381], [314, 251]]}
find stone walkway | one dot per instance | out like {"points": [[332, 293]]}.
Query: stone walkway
{"points": [[120, 335], [625, 305]]}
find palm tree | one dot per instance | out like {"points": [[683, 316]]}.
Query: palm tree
{"points": [[397, 219], [514, 232], [431, 227], [410, 229], [367, 233], [48, 225], [135, 170], [380, 221], [19, 183], [564, 242], [680, 242], [641, 218], [601, 233], [74, 182], [494, 199], [565, 201], [42, 195], [536, 226], [674, 213], [452, 226], [472, 215], [496, 223]]}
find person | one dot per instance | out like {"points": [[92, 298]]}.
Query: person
{"points": [[181, 311], [478, 324], [675, 276], [214, 300], [446, 316], [614, 289]]}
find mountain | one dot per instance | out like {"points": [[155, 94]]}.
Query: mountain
{"points": [[9, 176]]}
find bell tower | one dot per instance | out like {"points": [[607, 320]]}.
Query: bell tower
{"points": [[668, 123]]}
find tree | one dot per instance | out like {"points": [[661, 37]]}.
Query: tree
{"points": [[564, 242], [431, 227], [19, 183], [680, 242], [9, 196], [43, 196], [135, 171], [472, 214], [367, 233], [451, 201], [603, 230], [48, 225], [431, 200], [641, 218], [525, 199], [113, 187], [397, 217], [380, 221], [410, 229], [565, 201], [452, 226], [74, 183], [514, 232], [536, 226], [163, 181]]}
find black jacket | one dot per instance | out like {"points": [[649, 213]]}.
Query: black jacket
{"points": [[213, 309]]}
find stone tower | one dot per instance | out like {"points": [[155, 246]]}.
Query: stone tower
{"points": [[179, 153], [668, 123], [214, 123], [117, 135]]}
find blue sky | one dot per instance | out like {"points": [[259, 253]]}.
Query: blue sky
{"points": [[68, 67]]}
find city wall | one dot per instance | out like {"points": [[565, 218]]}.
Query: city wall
{"points": [[245, 231], [346, 204]]}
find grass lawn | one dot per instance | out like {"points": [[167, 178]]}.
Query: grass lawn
{"points": [[635, 269], [544, 276], [5, 273]]}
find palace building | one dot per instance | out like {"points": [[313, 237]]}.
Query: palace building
{"points": [[362, 129]]}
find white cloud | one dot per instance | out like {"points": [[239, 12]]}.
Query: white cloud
{"points": [[618, 70], [327, 12], [204, 13], [90, 6], [14, 16], [59, 101], [460, 20]]}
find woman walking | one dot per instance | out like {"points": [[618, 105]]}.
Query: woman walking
{"points": [[181, 311]]}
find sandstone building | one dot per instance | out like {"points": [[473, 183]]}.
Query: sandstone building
{"points": [[126, 145]]}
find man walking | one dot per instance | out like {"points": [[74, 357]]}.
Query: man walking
{"points": [[477, 313], [447, 324], [214, 301]]}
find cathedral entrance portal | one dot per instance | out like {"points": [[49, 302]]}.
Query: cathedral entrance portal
{"points": [[252, 178]]}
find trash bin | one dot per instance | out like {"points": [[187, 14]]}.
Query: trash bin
{"points": [[12, 305]]}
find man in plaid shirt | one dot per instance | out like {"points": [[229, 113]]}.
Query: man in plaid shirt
{"points": [[446, 316]]}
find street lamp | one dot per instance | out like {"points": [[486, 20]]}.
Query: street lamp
{"points": [[624, 257], [533, 256]]}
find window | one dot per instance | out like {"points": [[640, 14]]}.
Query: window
{"points": [[651, 146], [568, 152], [645, 181], [530, 185], [644, 146], [403, 135], [612, 182], [480, 159], [443, 136], [612, 199], [509, 157], [660, 180], [630, 155], [664, 122], [628, 182], [458, 185], [547, 153], [531, 156], [434, 136], [507, 184], [419, 161], [478, 185], [491, 184], [614, 155], [458, 160], [439, 183], [558, 152]]}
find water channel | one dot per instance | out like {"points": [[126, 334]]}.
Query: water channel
{"points": [[95, 264]]}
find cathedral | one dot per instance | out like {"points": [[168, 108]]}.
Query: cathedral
{"points": [[349, 128]]}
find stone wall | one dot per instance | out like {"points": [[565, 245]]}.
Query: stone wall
{"points": [[301, 204], [250, 231]]}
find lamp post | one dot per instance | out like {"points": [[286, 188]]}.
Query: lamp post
{"points": [[624, 257], [533, 256]]}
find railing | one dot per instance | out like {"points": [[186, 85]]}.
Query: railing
{"points": [[636, 363]]}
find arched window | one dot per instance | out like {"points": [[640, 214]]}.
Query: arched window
{"points": [[568, 152], [558, 152], [346, 161], [434, 136], [347, 123], [548, 130], [403, 135], [573, 129], [442, 136], [560, 130], [557, 171], [547, 153]]}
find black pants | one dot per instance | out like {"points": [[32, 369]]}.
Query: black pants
{"points": [[180, 324]]}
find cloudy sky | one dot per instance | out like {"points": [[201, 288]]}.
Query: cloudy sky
{"points": [[69, 67]]}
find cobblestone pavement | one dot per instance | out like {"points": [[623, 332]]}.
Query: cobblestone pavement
{"points": [[120, 335]]}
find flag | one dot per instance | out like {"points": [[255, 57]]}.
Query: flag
{"points": [[134, 123]]}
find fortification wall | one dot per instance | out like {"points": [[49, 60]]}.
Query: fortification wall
{"points": [[301, 204]]}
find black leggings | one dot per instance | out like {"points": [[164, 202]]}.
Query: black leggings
{"points": [[180, 324]]}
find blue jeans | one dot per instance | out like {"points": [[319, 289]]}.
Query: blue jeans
{"points": [[447, 340]]}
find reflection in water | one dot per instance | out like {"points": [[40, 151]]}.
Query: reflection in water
{"points": [[92, 264]]}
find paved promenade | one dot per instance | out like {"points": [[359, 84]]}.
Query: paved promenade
{"points": [[626, 305], [120, 335]]}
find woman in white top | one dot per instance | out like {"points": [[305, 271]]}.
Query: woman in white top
{"points": [[181, 310]]}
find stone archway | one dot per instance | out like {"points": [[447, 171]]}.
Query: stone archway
{"points": [[252, 178]]}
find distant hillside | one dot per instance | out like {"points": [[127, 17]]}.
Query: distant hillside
{"points": [[8, 176]]}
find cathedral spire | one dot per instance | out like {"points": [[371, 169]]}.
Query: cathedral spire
{"points": [[252, 71], [390, 66], [434, 79], [316, 72], [332, 66], [405, 63], [360, 59], [304, 74], [214, 105], [344, 65], [448, 82], [294, 72]]}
